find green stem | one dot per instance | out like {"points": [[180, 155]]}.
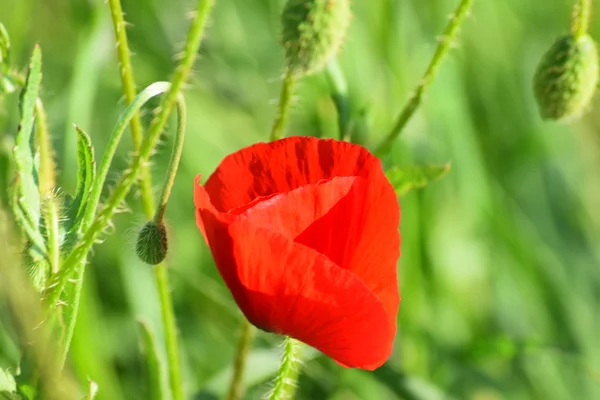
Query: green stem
{"points": [[283, 107], [339, 95], [94, 227], [285, 381], [580, 21], [111, 148], [236, 388], [442, 50], [170, 177], [182, 72], [75, 263], [170, 326], [128, 83]]}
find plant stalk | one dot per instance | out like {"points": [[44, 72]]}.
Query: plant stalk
{"points": [[287, 375], [580, 20], [444, 46], [236, 389], [129, 89], [283, 107]]}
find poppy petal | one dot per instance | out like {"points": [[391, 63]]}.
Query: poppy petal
{"points": [[264, 169], [361, 233], [308, 297], [290, 288]]}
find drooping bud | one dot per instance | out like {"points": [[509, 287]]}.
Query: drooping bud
{"points": [[152, 243], [313, 32], [566, 78]]}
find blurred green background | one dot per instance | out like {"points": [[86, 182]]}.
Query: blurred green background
{"points": [[500, 265]]}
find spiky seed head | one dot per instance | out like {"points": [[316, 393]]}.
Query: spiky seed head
{"points": [[566, 78], [152, 243], [313, 32]]}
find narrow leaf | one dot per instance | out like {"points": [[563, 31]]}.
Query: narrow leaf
{"points": [[156, 368], [86, 173], [26, 186], [7, 382], [405, 179]]}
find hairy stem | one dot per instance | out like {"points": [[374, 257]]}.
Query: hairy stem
{"points": [[128, 83], [287, 375], [580, 21], [94, 227], [236, 389], [190, 51], [283, 107], [445, 43], [170, 327], [170, 177]]}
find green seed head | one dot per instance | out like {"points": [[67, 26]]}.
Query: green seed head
{"points": [[567, 77], [313, 32], [152, 243]]}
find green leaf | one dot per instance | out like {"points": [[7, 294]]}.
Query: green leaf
{"points": [[86, 173], [156, 367], [26, 186], [7, 382], [26, 204], [405, 179]]}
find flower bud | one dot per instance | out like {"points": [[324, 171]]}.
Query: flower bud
{"points": [[313, 32], [152, 243], [567, 77]]}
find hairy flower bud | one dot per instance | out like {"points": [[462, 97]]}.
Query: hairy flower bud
{"points": [[152, 243], [313, 32], [567, 77]]}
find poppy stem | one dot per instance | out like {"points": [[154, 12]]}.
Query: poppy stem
{"points": [[129, 89], [444, 46], [171, 169], [236, 388], [580, 20], [283, 107], [339, 95], [285, 382], [94, 221]]}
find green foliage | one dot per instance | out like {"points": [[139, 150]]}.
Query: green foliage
{"points": [[567, 78], [156, 367], [505, 247], [86, 173], [26, 197], [405, 179], [4, 49], [7, 382], [313, 32], [6, 82]]}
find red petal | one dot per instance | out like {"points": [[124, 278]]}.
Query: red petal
{"points": [[361, 233], [291, 289], [311, 225], [269, 168]]}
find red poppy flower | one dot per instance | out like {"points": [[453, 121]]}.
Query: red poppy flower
{"points": [[304, 232]]}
